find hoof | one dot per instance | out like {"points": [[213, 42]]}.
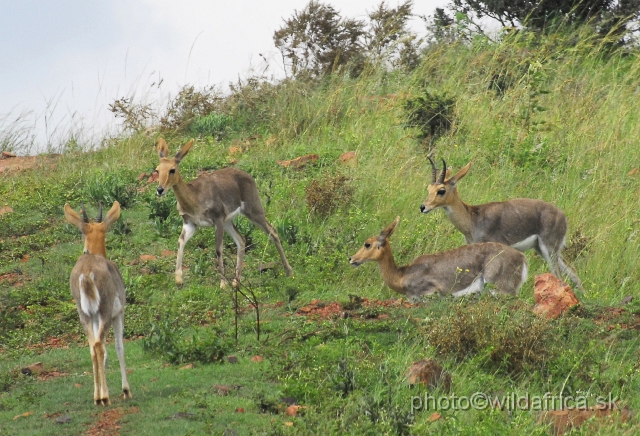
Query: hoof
{"points": [[235, 283], [126, 393], [223, 284], [103, 402], [179, 280]]}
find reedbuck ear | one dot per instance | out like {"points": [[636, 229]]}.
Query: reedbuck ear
{"points": [[73, 217], [112, 215], [387, 232], [459, 175], [163, 149], [183, 151]]}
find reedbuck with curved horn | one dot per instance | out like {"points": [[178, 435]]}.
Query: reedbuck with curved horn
{"points": [[522, 223], [214, 199], [98, 290], [461, 271]]}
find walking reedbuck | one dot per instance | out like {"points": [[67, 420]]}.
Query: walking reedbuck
{"points": [[522, 223], [98, 290], [214, 199], [461, 271]]}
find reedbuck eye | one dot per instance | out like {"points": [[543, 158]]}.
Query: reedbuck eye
{"points": [[172, 171], [367, 245], [441, 191]]}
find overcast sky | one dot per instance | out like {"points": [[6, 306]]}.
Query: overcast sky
{"points": [[63, 61]]}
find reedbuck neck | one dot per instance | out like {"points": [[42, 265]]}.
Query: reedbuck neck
{"points": [[459, 272], [522, 223], [214, 199], [98, 290]]}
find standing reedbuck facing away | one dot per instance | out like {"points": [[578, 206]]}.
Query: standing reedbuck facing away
{"points": [[214, 199], [461, 271], [522, 223], [98, 290]]}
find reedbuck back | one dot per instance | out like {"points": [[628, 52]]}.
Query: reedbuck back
{"points": [[99, 293], [522, 223], [214, 199], [459, 272]]}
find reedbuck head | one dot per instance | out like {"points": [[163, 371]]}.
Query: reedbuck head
{"points": [[375, 248], [442, 190], [93, 233], [168, 169]]}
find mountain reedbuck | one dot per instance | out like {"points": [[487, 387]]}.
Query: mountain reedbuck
{"points": [[522, 223], [214, 199], [98, 290], [460, 271]]}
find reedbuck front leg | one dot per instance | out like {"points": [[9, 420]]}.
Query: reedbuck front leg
{"points": [[188, 230]]}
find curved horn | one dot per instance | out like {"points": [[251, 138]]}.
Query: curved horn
{"points": [[99, 219], [433, 170], [444, 172], [85, 217]]}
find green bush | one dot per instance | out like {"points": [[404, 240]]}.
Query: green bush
{"points": [[204, 345], [213, 124], [112, 186]]}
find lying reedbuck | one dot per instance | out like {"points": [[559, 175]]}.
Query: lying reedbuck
{"points": [[522, 223], [459, 272], [98, 290], [214, 199]]}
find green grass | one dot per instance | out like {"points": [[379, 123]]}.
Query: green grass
{"points": [[563, 128]]}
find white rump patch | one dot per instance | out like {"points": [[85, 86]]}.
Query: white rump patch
{"points": [[234, 213], [89, 295], [117, 307], [476, 286], [527, 244]]}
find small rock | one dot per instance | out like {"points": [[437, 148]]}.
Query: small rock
{"points": [[293, 410], [626, 300], [240, 410], [34, 368], [262, 267], [349, 158], [429, 373], [289, 401], [64, 419], [222, 390], [188, 366], [257, 358], [299, 161], [232, 359], [434, 417], [553, 297]]}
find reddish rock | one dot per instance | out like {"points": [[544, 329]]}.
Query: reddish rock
{"points": [[146, 257], [563, 420], [429, 373], [299, 161], [257, 359], [293, 410], [553, 297], [349, 158]]}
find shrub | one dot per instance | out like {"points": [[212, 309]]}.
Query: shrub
{"points": [[431, 113], [328, 195], [510, 339], [205, 345], [213, 124], [112, 186]]}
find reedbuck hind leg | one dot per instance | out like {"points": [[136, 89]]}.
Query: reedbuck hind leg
{"points": [[118, 327], [231, 229]]}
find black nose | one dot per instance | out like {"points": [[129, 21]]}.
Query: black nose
{"points": [[349, 259], [422, 208], [160, 190]]}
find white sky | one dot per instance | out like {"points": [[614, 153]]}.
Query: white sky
{"points": [[63, 61]]}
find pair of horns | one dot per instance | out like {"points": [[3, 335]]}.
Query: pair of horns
{"points": [[85, 217], [434, 171]]}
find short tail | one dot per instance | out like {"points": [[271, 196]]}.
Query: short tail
{"points": [[89, 295]]}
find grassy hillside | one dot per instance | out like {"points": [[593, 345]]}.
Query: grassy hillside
{"points": [[552, 118]]}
